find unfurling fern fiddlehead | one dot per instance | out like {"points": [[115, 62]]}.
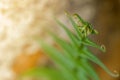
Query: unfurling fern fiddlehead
{"points": [[73, 58]]}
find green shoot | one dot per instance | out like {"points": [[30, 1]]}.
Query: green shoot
{"points": [[73, 58]]}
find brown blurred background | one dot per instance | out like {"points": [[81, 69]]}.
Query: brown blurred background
{"points": [[107, 22]]}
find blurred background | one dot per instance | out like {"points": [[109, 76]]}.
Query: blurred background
{"points": [[103, 14], [107, 21]]}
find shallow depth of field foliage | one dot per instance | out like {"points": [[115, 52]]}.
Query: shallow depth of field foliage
{"points": [[72, 58]]}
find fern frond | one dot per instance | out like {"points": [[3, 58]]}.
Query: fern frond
{"points": [[73, 58]]}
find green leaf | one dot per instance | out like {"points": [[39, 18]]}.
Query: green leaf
{"points": [[97, 61], [62, 62], [89, 69], [93, 44], [47, 73], [66, 46], [69, 33], [75, 26], [82, 75], [56, 55], [80, 19], [72, 56]]}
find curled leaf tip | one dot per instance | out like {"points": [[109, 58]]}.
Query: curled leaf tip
{"points": [[95, 31], [116, 74], [103, 48], [75, 15]]}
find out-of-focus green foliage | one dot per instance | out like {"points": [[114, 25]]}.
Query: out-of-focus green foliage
{"points": [[72, 57]]}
